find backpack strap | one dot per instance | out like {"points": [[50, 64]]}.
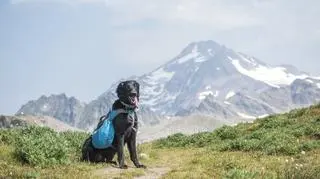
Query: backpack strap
{"points": [[110, 115]]}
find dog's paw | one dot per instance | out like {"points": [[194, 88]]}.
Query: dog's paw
{"points": [[141, 166], [124, 166]]}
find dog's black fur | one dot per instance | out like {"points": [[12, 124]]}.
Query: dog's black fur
{"points": [[126, 127]]}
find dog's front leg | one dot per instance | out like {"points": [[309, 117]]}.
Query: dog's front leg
{"points": [[133, 151], [120, 153]]}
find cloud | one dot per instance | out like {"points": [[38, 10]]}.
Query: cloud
{"points": [[258, 27], [56, 1], [215, 14], [141, 35]]}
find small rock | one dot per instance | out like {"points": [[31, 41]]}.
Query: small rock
{"points": [[144, 156]]}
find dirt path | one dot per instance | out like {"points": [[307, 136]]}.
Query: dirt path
{"points": [[153, 173], [114, 172]]}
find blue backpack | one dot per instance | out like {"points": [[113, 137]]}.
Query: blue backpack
{"points": [[102, 136]]}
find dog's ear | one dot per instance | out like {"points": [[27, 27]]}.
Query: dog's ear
{"points": [[137, 86], [120, 88]]}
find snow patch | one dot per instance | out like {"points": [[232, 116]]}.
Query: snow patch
{"points": [[230, 94], [216, 94], [272, 76], [204, 94], [160, 74], [200, 59], [211, 52], [263, 116], [208, 87], [226, 102], [310, 81], [45, 107], [195, 55], [318, 84], [245, 115], [218, 68], [250, 61], [189, 56]]}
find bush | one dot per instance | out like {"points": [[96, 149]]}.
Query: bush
{"points": [[273, 135], [227, 132], [245, 144], [10, 136], [42, 147], [278, 142], [75, 141], [176, 140], [310, 145]]}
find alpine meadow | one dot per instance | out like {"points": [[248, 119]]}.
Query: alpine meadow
{"points": [[278, 146]]}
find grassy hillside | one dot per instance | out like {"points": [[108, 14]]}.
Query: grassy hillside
{"points": [[279, 146]]}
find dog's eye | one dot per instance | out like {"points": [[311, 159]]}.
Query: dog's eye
{"points": [[132, 94]]}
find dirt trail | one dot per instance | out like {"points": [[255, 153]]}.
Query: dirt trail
{"points": [[153, 173], [114, 172]]}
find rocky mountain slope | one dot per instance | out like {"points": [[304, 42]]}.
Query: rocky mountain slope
{"points": [[205, 78], [66, 109], [25, 120]]}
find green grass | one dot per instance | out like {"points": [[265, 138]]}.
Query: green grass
{"points": [[278, 146], [285, 134]]}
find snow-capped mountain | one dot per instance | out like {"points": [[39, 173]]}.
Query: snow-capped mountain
{"points": [[207, 78]]}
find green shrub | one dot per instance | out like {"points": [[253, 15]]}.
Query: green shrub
{"points": [[245, 144], [176, 140], [227, 132], [75, 141], [285, 134], [297, 113], [278, 142], [40, 146], [10, 136], [310, 145]]}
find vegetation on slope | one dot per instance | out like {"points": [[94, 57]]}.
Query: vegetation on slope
{"points": [[278, 146], [285, 134]]}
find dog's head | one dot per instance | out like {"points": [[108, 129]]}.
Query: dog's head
{"points": [[128, 92]]}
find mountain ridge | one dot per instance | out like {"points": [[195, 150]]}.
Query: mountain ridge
{"points": [[207, 78]]}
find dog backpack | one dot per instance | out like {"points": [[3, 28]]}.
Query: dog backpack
{"points": [[102, 136]]}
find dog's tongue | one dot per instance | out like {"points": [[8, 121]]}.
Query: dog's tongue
{"points": [[135, 101]]}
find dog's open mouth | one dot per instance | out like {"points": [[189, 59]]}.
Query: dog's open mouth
{"points": [[133, 99]]}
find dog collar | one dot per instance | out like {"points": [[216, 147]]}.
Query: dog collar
{"points": [[129, 105]]}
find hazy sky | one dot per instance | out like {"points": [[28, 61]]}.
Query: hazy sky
{"points": [[80, 47]]}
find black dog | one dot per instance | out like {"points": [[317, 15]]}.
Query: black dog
{"points": [[125, 125]]}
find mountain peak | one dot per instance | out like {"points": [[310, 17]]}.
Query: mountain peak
{"points": [[58, 106], [202, 47], [204, 78]]}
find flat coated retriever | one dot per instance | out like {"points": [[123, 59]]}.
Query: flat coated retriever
{"points": [[125, 125]]}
